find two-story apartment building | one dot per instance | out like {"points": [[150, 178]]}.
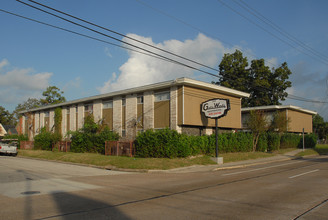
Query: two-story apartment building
{"points": [[175, 104]]}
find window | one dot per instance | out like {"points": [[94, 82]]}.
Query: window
{"points": [[88, 108], [163, 96], [108, 104], [46, 114], [140, 99], [123, 102]]}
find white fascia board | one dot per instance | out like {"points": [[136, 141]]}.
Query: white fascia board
{"points": [[212, 87], [276, 107], [156, 86]]}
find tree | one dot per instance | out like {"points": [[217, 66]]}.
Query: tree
{"points": [[280, 122], [257, 124], [27, 105], [234, 72], [266, 87], [320, 127], [6, 118], [52, 95]]}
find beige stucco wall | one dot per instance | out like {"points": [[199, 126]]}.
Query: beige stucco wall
{"points": [[298, 121], [194, 97]]}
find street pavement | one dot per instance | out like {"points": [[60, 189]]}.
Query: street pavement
{"points": [[282, 188]]}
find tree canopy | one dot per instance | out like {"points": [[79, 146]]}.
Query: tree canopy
{"points": [[266, 86], [6, 118], [320, 127], [52, 95]]}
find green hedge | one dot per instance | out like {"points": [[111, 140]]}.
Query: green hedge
{"points": [[310, 141], [290, 141], [168, 143]]}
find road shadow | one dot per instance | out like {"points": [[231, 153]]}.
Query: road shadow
{"points": [[72, 206]]}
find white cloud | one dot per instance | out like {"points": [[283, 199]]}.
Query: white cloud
{"points": [[141, 69], [18, 84], [271, 62]]}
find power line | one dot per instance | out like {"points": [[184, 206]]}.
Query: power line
{"points": [[196, 28], [106, 35], [120, 34], [83, 35], [265, 20], [161, 57], [269, 32]]}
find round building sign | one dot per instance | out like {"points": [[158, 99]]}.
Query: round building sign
{"points": [[216, 108]]}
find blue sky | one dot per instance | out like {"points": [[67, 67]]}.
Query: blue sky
{"points": [[34, 56]]}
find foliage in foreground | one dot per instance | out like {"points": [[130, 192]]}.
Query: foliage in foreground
{"points": [[91, 137], [168, 143]]}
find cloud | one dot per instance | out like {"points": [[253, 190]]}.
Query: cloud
{"points": [[107, 52], [309, 84], [19, 84], [141, 69]]}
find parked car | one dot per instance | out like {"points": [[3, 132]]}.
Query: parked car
{"points": [[8, 147]]}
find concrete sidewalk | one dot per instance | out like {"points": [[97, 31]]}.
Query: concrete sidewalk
{"points": [[232, 165]]}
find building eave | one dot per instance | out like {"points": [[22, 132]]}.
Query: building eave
{"points": [[278, 107], [155, 86]]}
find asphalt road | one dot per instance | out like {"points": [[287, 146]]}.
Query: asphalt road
{"points": [[33, 189]]}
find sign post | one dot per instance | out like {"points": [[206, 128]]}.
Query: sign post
{"points": [[215, 109]]}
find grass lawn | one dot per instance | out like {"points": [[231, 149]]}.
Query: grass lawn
{"points": [[141, 163], [320, 149]]}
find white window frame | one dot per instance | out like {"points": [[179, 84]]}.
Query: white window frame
{"points": [[162, 96], [108, 104]]}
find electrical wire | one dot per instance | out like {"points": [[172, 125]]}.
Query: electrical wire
{"points": [[272, 34], [163, 58], [120, 34], [106, 35], [279, 29]]}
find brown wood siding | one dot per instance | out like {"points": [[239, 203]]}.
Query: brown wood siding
{"points": [[26, 126], [162, 114], [193, 97], [180, 105], [76, 121], [140, 116], [47, 123], [298, 121], [108, 117], [68, 122], [123, 116]]}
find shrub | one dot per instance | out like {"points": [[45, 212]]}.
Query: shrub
{"points": [[91, 137], [273, 141], [310, 141], [290, 141], [45, 139], [262, 144]]}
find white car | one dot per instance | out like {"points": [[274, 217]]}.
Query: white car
{"points": [[8, 147]]}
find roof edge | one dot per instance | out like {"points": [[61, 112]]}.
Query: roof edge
{"points": [[155, 86], [276, 107]]}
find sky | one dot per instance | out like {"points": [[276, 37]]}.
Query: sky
{"points": [[34, 56]]}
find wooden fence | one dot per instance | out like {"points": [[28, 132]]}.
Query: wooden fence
{"points": [[119, 148]]}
